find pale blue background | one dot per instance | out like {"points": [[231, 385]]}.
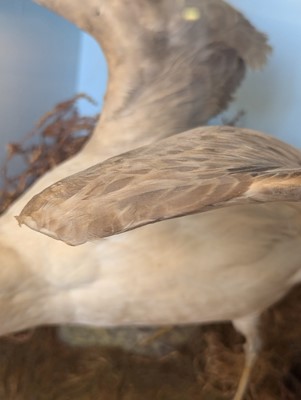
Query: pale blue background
{"points": [[44, 59], [39, 58]]}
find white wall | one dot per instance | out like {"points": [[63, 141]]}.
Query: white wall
{"points": [[39, 55]]}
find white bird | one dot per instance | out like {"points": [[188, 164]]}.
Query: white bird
{"points": [[132, 116], [178, 275], [172, 76], [230, 264]]}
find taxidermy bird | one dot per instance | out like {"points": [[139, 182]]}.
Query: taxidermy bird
{"points": [[229, 264], [171, 69]]}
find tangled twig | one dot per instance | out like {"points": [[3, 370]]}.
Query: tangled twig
{"points": [[58, 135]]}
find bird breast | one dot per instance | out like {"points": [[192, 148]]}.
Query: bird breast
{"points": [[195, 269]]}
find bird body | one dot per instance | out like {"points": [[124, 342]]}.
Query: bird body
{"points": [[210, 265], [167, 74], [209, 269], [145, 101], [198, 278], [226, 264]]}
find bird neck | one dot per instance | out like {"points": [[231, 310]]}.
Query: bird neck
{"points": [[152, 96], [159, 63], [172, 66]]}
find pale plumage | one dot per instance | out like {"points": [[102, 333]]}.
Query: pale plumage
{"points": [[227, 264], [127, 121], [167, 75], [158, 61]]}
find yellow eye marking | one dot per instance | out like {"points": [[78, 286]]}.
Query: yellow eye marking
{"points": [[191, 14]]}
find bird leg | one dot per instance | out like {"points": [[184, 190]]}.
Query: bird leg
{"points": [[248, 326]]}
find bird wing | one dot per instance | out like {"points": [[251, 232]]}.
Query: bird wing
{"points": [[192, 172]]}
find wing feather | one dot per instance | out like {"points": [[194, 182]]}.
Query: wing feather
{"points": [[192, 172]]}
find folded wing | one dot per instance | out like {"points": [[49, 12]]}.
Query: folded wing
{"points": [[192, 172]]}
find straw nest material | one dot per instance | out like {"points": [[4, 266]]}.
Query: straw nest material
{"points": [[58, 135], [206, 366]]}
